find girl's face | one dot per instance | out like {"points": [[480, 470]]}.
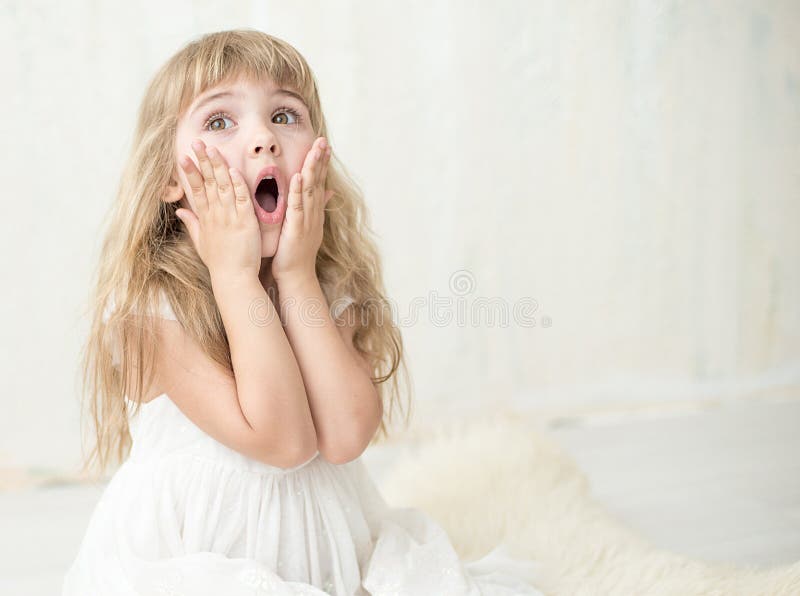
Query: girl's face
{"points": [[253, 124]]}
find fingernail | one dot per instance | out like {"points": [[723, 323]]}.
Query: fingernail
{"points": [[196, 145], [323, 143]]}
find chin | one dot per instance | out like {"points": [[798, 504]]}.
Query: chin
{"points": [[269, 242]]}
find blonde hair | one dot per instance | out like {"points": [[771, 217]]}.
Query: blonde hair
{"points": [[146, 251]]}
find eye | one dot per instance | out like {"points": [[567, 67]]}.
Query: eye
{"points": [[221, 116], [287, 110]]}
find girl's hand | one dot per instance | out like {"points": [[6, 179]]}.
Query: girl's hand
{"points": [[301, 233], [223, 224]]}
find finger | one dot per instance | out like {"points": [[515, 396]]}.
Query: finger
{"points": [[310, 178], [294, 206], [195, 180], [323, 175], [222, 178], [310, 168], [320, 194], [192, 224], [241, 192], [207, 170], [328, 195], [324, 161]]}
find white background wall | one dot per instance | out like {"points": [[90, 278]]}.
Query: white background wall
{"points": [[630, 166]]}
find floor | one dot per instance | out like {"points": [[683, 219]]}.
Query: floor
{"points": [[722, 484], [719, 483]]}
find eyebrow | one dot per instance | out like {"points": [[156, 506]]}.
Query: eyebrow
{"points": [[214, 96]]}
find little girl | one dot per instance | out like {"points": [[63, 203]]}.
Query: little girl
{"points": [[239, 356]]}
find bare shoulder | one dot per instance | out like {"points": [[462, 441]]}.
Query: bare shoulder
{"points": [[348, 322], [205, 391]]}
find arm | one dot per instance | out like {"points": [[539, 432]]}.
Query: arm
{"points": [[262, 358], [344, 402], [261, 409]]}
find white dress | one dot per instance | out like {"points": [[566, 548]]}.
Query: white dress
{"points": [[184, 515]]}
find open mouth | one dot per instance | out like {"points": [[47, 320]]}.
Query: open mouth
{"points": [[267, 194]]}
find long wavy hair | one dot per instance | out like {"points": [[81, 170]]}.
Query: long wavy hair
{"points": [[146, 253]]}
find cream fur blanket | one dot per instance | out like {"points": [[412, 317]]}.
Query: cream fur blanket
{"points": [[498, 480]]}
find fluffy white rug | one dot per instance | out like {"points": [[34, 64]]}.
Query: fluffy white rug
{"points": [[498, 480]]}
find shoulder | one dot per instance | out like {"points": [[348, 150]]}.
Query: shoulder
{"points": [[165, 310], [339, 305], [348, 321], [162, 309]]}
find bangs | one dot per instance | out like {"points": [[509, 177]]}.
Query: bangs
{"points": [[220, 59]]}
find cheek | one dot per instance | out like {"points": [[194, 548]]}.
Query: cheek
{"points": [[300, 158], [183, 149], [184, 180]]}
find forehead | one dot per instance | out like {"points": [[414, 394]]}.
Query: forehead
{"points": [[240, 86], [240, 81]]}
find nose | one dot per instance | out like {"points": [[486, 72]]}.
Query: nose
{"points": [[264, 141]]}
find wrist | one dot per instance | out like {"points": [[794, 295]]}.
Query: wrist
{"points": [[302, 299], [299, 283], [226, 279]]}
